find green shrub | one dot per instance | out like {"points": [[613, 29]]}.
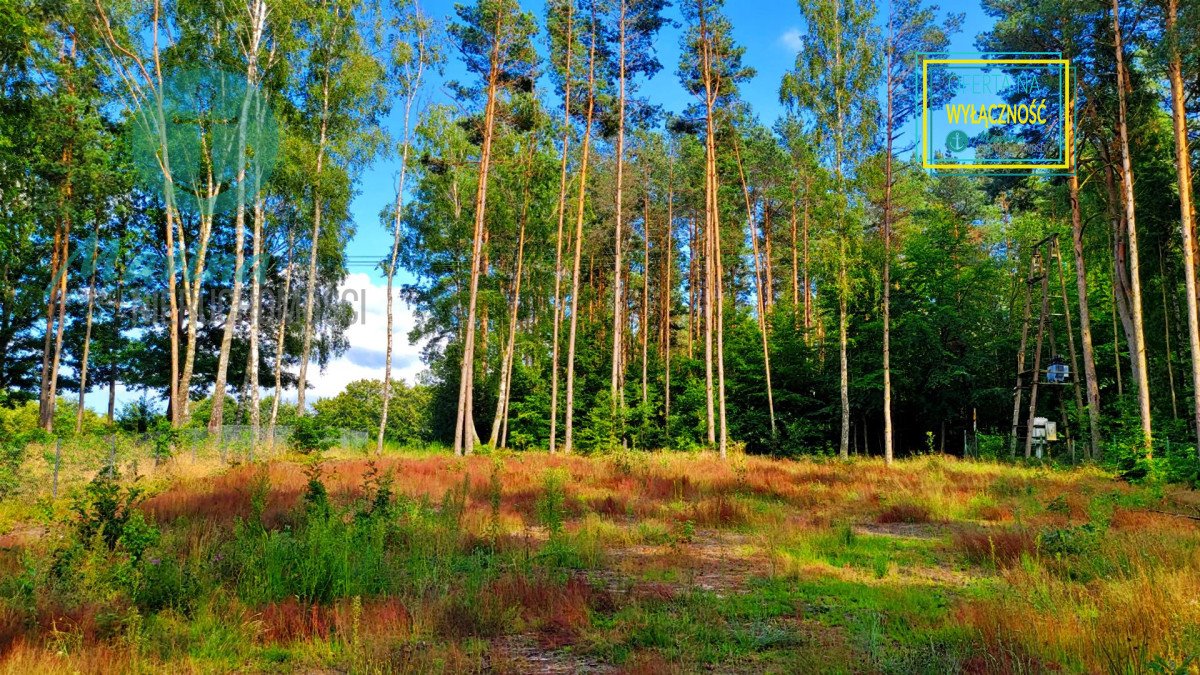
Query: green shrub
{"points": [[316, 496], [163, 440], [106, 509], [309, 434], [991, 446], [1059, 505], [551, 505], [165, 583], [1079, 540], [138, 416], [324, 558]]}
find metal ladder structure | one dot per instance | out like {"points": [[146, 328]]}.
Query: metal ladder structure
{"points": [[1046, 258]]}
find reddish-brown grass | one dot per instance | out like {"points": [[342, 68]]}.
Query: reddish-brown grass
{"points": [[994, 513], [718, 511], [559, 612], [905, 512], [292, 621], [1000, 546], [611, 505]]}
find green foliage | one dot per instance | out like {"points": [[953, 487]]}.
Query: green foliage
{"points": [[324, 558], [1080, 540], [138, 416], [359, 407], [551, 505], [163, 440], [310, 434], [599, 430], [106, 510], [316, 496], [12, 453], [166, 583]]}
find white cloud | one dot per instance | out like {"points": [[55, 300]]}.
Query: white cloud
{"points": [[368, 340], [363, 360], [792, 40]]}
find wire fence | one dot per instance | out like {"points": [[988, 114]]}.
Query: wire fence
{"points": [[50, 468]]}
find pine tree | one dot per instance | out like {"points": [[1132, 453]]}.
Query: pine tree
{"points": [[494, 39], [711, 66]]}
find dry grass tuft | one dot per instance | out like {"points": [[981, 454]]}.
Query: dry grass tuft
{"points": [[905, 512], [649, 662], [718, 511], [999, 547]]}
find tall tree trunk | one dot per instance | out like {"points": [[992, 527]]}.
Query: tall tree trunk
{"points": [[506, 359], [843, 360], [889, 122], [193, 278], [558, 241], [795, 272], [280, 336], [1138, 348], [808, 313], [843, 277], [616, 392], [668, 248], [1187, 214], [217, 416], [87, 332], [569, 438], [255, 333], [410, 97], [256, 277], [152, 92], [465, 436], [644, 329], [59, 259], [1162, 286], [397, 221], [767, 257], [1066, 303], [311, 283], [758, 284], [714, 281], [112, 379], [694, 255], [1085, 321]]}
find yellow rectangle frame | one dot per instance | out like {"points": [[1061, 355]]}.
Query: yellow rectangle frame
{"points": [[1067, 104]]}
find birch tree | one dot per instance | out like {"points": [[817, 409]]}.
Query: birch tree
{"points": [[342, 95], [912, 29], [412, 52], [832, 86]]}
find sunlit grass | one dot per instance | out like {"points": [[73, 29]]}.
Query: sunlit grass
{"points": [[648, 562]]}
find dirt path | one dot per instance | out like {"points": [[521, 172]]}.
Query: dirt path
{"points": [[717, 561], [523, 654]]}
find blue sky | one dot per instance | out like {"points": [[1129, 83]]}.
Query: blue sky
{"points": [[770, 30]]}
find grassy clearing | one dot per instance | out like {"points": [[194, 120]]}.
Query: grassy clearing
{"points": [[627, 563]]}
